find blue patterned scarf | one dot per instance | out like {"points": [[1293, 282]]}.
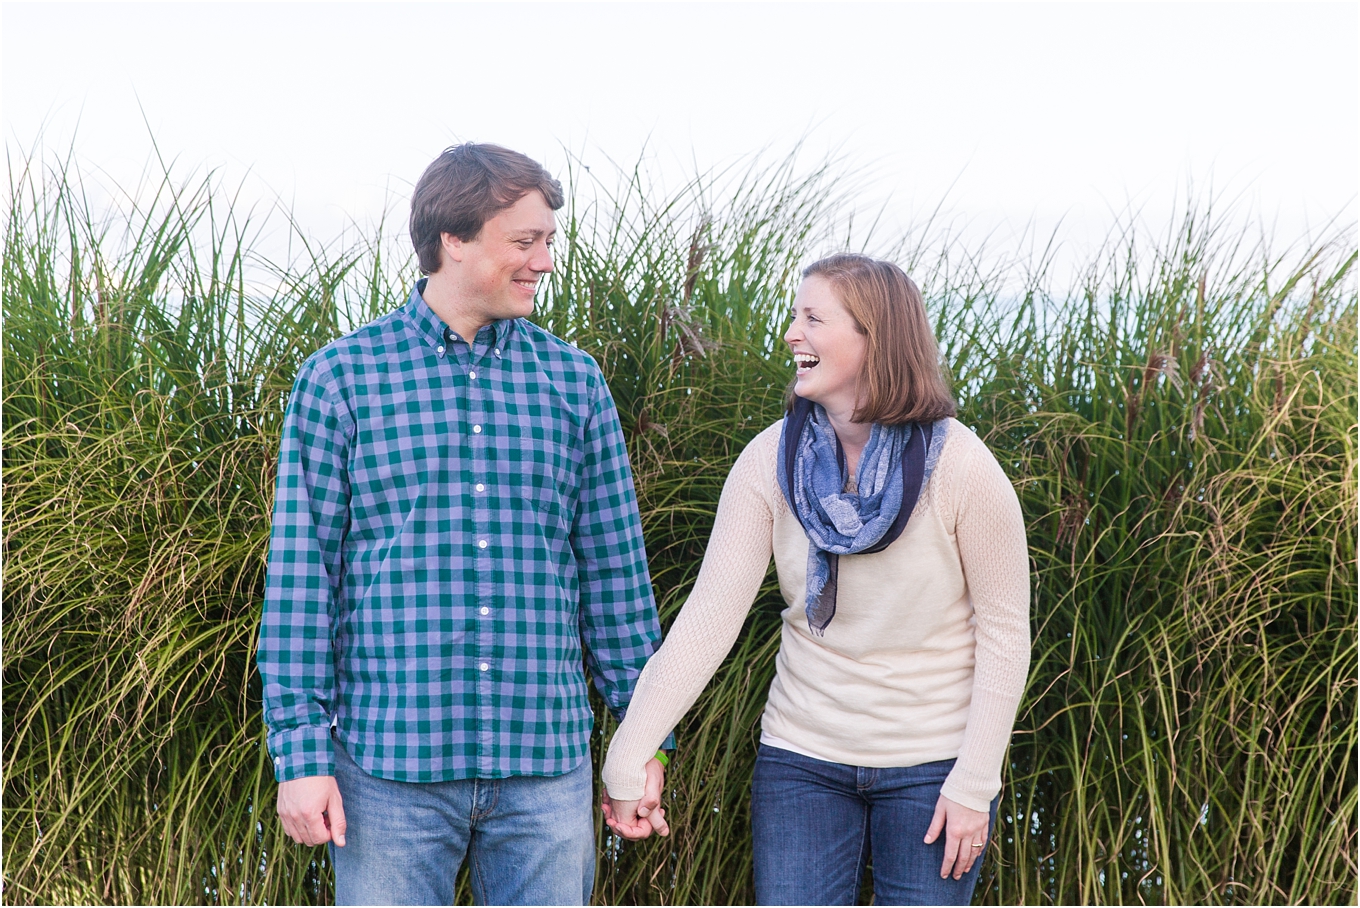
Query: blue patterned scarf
{"points": [[894, 467]]}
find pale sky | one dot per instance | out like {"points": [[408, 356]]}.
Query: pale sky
{"points": [[1051, 115]]}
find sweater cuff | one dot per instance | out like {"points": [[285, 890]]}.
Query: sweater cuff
{"points": [[625, 779], [969, 799], [976, 777], [624, 773]]}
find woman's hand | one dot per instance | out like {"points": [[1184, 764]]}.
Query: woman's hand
{"points": [[965, 836], [639, 819]]}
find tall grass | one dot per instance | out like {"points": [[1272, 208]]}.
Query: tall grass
{"points": [[1181, 429]]}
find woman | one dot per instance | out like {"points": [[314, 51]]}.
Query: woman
{"points": [[904, 649]]}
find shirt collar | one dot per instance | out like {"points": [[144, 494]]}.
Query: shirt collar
{"points": [[432, 330]]}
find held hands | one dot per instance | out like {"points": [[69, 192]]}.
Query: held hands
{"points": [[639, 819], [963, 827], [311, 811]]}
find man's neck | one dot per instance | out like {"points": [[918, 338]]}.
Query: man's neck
{"points": [[442, 296]]}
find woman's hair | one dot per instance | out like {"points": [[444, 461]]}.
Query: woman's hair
{"points": [[902, 378], [465, 187]]}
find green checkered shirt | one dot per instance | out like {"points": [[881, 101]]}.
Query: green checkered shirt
{"points": [[453, 523]]}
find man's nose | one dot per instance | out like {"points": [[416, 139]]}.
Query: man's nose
{"points": [[543, 260]]}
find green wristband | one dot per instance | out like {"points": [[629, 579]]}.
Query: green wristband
{"points": [[665, 760]]}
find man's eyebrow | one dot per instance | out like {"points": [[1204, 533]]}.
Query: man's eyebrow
{"points": [[533, 232]]}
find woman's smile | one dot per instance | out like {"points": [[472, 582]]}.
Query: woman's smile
{"points": [[828, 349]]}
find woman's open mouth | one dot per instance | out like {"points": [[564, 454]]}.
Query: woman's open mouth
{"points": [[805, 362]]}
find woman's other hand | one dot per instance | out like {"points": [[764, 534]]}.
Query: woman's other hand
{"points": [[965, 836]]}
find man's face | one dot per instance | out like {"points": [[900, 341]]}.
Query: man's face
{"points": [[498, 272]]}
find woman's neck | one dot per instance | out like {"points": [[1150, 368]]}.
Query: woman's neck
{"points": [[853, 436]]}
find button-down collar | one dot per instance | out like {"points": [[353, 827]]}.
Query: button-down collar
{"points": [[432, 329]]}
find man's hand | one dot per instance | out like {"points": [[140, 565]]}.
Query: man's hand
{"points": [[965, 836], [639, 819], [311, 811]]}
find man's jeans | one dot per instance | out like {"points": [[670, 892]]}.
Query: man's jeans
{"points": [[529, 840], [815, 824]]}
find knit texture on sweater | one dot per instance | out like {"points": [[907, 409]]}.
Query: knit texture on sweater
{"points": [[926, 660]]}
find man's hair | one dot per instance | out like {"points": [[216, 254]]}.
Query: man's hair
{"points": [[902, 377], [465, 187]]}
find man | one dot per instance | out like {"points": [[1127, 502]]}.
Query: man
{"points": [[454, 522]]}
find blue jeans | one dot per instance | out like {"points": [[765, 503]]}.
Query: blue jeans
{"points": [[528, 840], [816, 823]]}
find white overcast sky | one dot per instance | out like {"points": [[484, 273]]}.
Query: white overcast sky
{"points": [[1013, 114]]}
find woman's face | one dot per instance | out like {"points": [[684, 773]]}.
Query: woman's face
{"points": [[828, 348]]}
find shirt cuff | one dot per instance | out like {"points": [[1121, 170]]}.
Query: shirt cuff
{"points": [[302, 752]]}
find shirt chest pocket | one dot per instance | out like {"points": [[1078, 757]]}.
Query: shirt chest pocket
{"points": [[542, 462]]}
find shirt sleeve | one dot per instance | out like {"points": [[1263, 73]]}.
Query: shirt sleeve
{"points": [[735, 563], [619, 625], [311, 516], [990, 529]]}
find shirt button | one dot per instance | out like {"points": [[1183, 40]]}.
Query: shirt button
{"points": [[472, 375], [483, 666], [481, 544], [439, 350], [485, 610], [477, 430], [480, 487]]}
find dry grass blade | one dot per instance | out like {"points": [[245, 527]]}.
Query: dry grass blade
{"points": [[1181, 429]]}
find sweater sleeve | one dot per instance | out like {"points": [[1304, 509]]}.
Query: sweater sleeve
{"points": [[990, 530], [734, 565]]}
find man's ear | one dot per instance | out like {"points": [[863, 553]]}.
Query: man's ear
{"points": [[452, 246]]}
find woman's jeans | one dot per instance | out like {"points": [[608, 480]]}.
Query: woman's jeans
{"points": [[528, 840], [815, 824]]}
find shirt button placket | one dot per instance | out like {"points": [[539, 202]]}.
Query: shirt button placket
{"points": [[485, 557]]}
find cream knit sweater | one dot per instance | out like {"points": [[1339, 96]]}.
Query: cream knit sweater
{"points": [[926, 658]]}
